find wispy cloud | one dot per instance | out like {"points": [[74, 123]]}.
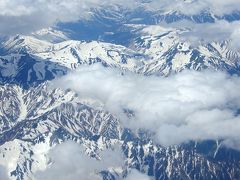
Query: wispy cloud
{"points": [[186, 106]]}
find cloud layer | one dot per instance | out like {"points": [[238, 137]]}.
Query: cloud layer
{"points": [[186, 106]]}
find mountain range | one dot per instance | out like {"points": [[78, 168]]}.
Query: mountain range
{"points": [[34, 117]]}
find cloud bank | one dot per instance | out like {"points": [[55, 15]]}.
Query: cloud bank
{"points": [[69, 162], [187, 106]]}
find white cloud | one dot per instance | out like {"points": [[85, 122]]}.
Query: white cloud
{"points": [[186, 106], [69, 162], [136, 175]]}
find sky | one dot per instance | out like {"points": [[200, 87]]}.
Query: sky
{"points": [[182, 107]]}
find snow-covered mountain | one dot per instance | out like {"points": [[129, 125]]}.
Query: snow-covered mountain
{"points": [[35, 118]]}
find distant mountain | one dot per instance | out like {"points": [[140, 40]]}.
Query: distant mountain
{"points": [[108, 23]]}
